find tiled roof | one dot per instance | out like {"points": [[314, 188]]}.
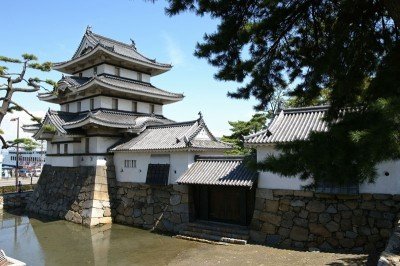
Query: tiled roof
{"points": [[219, 170], [137, 86], [64, 122], [291, 124], [175, 136], [123, 49], [123, 84]]}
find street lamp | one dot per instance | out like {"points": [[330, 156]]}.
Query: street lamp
{"points": [[17, 164]]}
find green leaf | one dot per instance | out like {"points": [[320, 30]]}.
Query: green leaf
{"points": [[29, 57], [49, 128], [46, 66], [3, 70], [1, 131], [9, 59]]}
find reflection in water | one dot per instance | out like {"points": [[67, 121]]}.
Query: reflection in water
{"points": [[41, 242]]}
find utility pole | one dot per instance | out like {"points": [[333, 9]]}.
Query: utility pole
{"points": [[17, 163]]}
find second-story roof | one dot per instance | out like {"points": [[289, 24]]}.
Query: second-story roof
{"points": [[291, 124], [191, 135], [67, 123], [71, 85]]}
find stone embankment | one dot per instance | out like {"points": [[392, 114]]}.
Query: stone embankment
{"points": [[77, 194], [163, 208], [304, 219], [14, 200]]}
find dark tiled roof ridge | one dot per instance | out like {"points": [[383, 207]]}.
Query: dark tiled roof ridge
{"points": [[176, 124], [317, 108], [219, 157]]}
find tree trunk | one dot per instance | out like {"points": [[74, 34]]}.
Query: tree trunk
{"points": [[393, 8], [6, 102]]}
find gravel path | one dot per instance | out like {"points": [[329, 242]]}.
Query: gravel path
{"points": [[206, 254]]}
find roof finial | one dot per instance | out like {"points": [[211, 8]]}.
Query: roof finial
{"points": [[200, 115], [89, 29], [133, 44]]}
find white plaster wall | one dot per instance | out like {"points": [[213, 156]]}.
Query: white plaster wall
{"points": [[105, 102], [158, 109], [65, 161], [136, 175], [385, 184], [145, 78], [88, 72], [179, 163], [274, 181], [101, 144], [73, 107]]}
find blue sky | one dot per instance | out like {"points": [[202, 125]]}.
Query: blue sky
{"points": [[52, 30]]}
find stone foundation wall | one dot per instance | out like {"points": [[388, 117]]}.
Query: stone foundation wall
{"points": [[163, 208], [77, 194], [304, 219], [14, 200], [391, 254]]}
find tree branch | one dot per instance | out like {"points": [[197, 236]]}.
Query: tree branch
{"points": [[26, 111], [25, 90], [3, 141]]}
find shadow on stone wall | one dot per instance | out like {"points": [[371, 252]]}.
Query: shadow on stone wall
{"points": [[159, 208], [62, 189], [12, 201]]}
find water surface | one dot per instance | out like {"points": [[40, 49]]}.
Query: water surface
{"points": [[45, 242]]}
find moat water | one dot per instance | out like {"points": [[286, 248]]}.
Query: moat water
{"points": [[44, 242]]}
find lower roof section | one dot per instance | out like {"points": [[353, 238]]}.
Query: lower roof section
{"points": [[220, 171]]}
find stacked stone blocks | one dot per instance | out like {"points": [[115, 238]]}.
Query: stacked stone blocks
{"points": [[162, 208], [304, 219]]}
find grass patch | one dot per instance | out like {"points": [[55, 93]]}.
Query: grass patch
{"points": [[10, 189]]}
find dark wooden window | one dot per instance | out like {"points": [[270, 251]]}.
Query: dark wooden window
{"points": [[152, 108], [58, 148], [95, 71], [79, 106], [157, 174], [87, 142], [130, 163], [114, 105], [139, 76], [134, 106], [91, 104], [80, 74], [117, 71], [333, 188], [65, 148], [67, 107]]}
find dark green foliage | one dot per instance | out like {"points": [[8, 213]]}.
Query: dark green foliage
{"points": [[348, 49], [27, 143], [243, 128], [46, 66]]}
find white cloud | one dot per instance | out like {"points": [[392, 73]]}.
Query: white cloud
{"points": [[10, 127], [175, 53]]}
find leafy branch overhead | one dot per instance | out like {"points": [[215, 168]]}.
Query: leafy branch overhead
{"points": [[18, 82], [347, 51]]}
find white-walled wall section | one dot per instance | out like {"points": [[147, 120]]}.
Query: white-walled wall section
{"points": [[106, 103], [112, 70], [384, 184], [179, 163]]}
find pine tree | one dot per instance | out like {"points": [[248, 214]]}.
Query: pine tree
{"points": [[13, 85], [350, 48]]}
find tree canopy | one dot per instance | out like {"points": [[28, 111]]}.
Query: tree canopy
{"points": [[348, 49], [17, 83], [240, 129]]}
